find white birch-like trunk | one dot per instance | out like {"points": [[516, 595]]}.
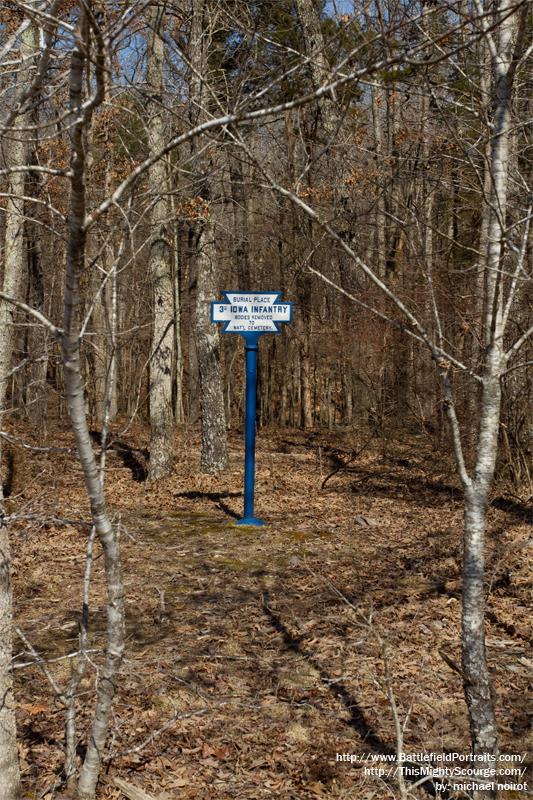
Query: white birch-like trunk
{"points": [[16, 153], [160, 266], [213, 457], [477, 683], [476, 677], [111, 399], [74, 390], [214, 454], [104, 310], [95, 366]]}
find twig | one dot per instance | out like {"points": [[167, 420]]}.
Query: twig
{"points": [[19, 443], [37, 662], [199, 712], [354, 456], [132, 792], [42, 666]]}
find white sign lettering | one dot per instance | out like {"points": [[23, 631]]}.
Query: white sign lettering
{"points": [[251, 312]]}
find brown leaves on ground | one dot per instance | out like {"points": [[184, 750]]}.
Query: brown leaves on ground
{"points": [[250, 657]]}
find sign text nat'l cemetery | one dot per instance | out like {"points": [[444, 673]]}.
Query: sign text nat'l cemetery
{"points": [[250, 314]]}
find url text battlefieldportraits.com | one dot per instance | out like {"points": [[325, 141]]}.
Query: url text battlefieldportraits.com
{"points": [[451, 771]]}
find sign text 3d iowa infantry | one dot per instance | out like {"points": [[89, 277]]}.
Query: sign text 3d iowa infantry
{"points": [[251, 312]]}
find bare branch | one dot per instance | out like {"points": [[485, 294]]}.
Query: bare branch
{"points": [[449, 406], [41, 663], [520, 342], [33, 312]]}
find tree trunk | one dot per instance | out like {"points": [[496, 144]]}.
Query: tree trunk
{"points": [[240, 222], [380, 220], [477, 685], [307, 416], [325, 128], [112, 352], [104, 317], [161, 411], [193, 379], [318, 64], [74, 390], [475, 670], [95, 366], [9, 768], [506, 51], [214, 455], [16, 152], [178, 349], [37, 338]]}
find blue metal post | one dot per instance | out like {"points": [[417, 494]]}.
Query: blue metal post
{"points": [[251, 347]]}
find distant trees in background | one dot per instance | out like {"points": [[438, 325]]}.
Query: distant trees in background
{"points": [[397, 162], [373, 162]]}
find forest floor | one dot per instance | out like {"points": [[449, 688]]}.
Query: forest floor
{"points": [[255, 655]]}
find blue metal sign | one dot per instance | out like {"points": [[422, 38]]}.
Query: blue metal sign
{"points": [[251, 314]]}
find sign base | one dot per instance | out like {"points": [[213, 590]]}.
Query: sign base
{"points": [[251, 521]]}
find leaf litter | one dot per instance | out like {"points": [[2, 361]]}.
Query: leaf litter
{"points": [[250, 661]]}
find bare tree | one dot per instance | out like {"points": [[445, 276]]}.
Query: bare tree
{"points": [[81, 108], [507, 47], [214, 457], [161, 413], [16, 150]]}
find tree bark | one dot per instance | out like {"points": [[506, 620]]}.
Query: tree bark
{"points": [[160, 266], [506, 50], [380, 234], [37, 338], [16, 152], [179, 414], [477, 684], [240, 220], [9, 767], [74, 390], [318, 64], [214, 455]]}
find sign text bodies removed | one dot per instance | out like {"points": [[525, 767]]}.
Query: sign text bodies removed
{"points": [[251, 312]]}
